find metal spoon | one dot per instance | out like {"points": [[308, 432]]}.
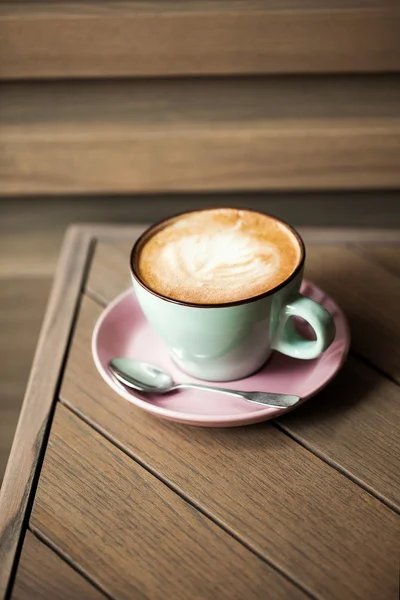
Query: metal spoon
{"points": [[147, 378]]}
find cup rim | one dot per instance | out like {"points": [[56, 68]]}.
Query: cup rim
{"points": [[161, 223]]}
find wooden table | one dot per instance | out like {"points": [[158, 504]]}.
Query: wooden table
{"points": [[101, 499]]}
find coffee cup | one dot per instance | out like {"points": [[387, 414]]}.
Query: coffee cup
{"points": [[221, 288]]}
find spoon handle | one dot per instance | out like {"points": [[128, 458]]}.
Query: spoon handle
{"points": [[266, 398]]}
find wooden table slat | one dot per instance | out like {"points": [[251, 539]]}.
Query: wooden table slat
{"points": [[149, 543], [109, 274], [45, 576], [370, 298], [24, 459], [283, 501], [354, 424], [386, 255]]}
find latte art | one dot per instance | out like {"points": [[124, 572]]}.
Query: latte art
{"points": [[218, 256], [223, 260]]}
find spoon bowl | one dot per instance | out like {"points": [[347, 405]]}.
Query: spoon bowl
{"points": [[141, 375]]}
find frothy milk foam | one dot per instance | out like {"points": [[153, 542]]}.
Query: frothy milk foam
{"points": [[218, 255]]}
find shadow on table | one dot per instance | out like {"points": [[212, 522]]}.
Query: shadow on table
{"points": [[353, 385]]}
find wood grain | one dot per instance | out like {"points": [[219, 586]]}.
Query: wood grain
{"points": [[27, 253], [288, 505], [86, 39], [110, 272], [292, 133], [353, 424], [43, 575], [133, 535], [32, 426], [387, 256], [369, 296], [22, 306]]}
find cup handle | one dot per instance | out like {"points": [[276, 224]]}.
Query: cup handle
{"points": [[290, 342]]}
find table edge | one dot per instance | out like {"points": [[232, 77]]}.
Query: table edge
{"points": [[313, 235], [33, 425]]}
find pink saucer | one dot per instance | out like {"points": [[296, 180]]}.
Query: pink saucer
{"points": [[123, 331]]}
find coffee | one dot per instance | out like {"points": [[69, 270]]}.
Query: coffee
{"points": [[218, 256]]}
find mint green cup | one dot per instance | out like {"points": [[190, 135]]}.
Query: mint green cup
{"points": [[224, 342]]}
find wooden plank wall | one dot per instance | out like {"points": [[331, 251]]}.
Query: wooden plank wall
{"points": [[157, 38], [192, 96]]}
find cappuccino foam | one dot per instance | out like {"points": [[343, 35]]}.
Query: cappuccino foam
{"points": [[218, 256]]}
